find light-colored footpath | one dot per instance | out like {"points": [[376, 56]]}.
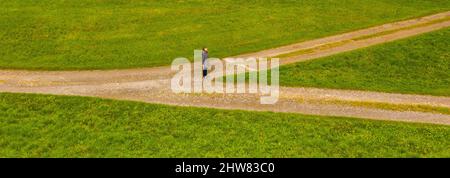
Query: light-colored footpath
{"points": [[152, 85]]}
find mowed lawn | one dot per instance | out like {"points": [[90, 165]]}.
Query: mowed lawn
{"points": [[419, 65], [62, 126], [90, 34]]}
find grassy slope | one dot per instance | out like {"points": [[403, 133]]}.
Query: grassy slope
{"points": [[86, 34], [418, 65], [56, 126]]}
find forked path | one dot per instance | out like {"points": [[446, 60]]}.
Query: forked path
{"points": [[153, 84]]}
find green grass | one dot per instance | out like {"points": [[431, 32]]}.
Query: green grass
{"points": [[418, 65], [62, 126], [88, 34]]}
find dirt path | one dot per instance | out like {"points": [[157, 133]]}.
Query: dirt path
{"points": [[158, 91], [153, 85]]}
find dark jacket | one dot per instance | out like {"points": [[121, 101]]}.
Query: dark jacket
{"points": [[204, 57]]}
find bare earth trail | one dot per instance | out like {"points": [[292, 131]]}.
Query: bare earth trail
{"points": [[153, 84]]}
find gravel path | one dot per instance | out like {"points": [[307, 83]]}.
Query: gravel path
{"points": [[153, 84]]}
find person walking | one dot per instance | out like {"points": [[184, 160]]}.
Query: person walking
{"points": [[204, 63]]}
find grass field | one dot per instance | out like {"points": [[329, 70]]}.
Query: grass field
{"points": [[418, 65], [57, 126], [88, 34]]}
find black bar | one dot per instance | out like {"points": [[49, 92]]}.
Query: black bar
{"points": [[279, 167]]}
